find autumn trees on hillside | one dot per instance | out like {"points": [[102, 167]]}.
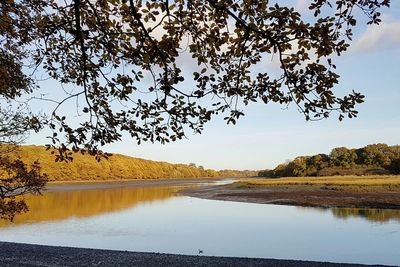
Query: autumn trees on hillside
{"points": [[117, 167]]}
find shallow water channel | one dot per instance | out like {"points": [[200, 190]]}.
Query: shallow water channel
{"points": [[158, 219]]}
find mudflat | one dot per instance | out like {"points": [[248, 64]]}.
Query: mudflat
{"points": [[346, 192]]}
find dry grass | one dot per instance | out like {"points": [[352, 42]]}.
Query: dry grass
{"points": [[373, 182], [336, 180]]}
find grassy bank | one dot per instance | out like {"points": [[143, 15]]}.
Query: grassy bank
{"points": [[356, 183]]}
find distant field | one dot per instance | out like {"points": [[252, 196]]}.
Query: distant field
{"points": [[373, 182]]}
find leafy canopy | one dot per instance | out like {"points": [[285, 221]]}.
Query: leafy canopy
{"points": [[122, 61]]}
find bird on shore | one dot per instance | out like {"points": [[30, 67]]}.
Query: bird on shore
{"points": [[200, 251]]}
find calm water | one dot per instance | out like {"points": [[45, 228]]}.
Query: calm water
{"points": [[157, 219]]}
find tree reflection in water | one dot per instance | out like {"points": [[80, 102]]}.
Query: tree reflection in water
{"points": [[375, 215], [53, 206]]}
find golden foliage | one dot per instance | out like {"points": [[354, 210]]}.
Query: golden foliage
{"points": [[117, 167]]}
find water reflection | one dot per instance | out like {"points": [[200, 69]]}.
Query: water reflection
{"points": [[371, 215], [374, 215], [53, 206], [156, 219]]}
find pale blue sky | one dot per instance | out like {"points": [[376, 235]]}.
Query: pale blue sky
{"points": [[269, 135]]}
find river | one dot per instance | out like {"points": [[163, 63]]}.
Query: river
{"points": [[156, 218]]}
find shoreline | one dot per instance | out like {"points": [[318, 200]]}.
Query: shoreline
{"points": [[28, 255], [146, 179], [108, 184]]}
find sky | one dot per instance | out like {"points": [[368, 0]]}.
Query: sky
{"points": [[269, 135]]}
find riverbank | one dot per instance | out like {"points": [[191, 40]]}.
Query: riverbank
{"points": [[26, 255], [381, 192], [94, 185]]}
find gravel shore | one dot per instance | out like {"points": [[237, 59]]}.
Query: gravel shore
{"points": [[24, 255]]}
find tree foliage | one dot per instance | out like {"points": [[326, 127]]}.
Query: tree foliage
{"points": [[371, 159], [17, 180], [16, 177], [117, 167], [122, 61]]}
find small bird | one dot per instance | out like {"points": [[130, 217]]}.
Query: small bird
{"points": [[200, 251]]}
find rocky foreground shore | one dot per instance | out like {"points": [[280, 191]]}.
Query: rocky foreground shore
{"points": [[24, 255]]}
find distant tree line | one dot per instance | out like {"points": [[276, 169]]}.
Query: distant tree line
{"points": [[118, 167], [371, 159]]}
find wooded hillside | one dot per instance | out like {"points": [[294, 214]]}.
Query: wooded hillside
{"points": [[368, 160], [117, 167]]}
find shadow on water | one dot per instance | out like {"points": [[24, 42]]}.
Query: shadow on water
{"points": [[54, 206]]}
